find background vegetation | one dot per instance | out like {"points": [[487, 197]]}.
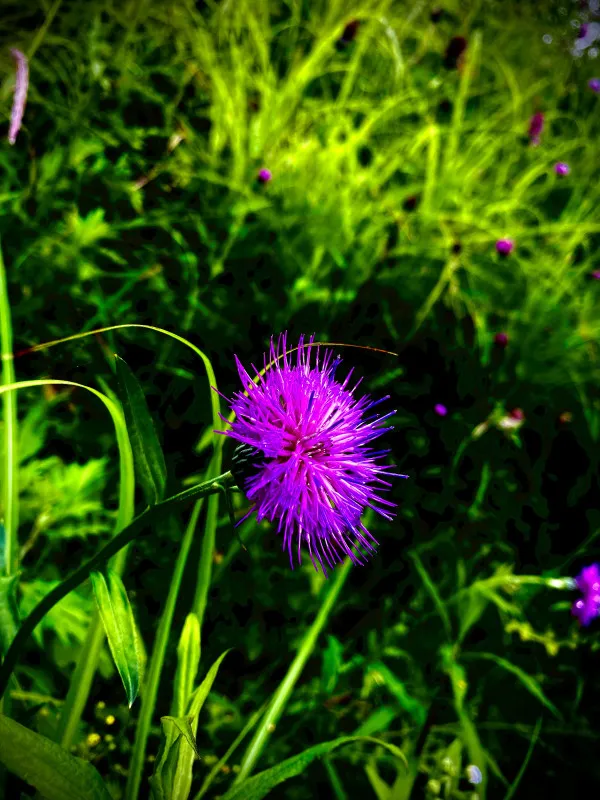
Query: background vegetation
{"points": [[132, 196]]}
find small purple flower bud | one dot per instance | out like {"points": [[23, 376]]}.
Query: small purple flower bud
{"points": [[265, 175], [517, 413], [588, 583], [561, 168], [504, 246], [440, 410], [536, 126], [594, 84], [20, 98], [595, 274], [501, 339]]}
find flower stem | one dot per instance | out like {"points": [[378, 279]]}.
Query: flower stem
{"points": [[128, 534], [286, 687]]}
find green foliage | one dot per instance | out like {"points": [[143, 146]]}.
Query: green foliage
{"points": [[121, 631], [55, 773]]}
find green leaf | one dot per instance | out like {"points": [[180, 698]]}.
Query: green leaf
{"points": [[260, 785], [54, 772], [9, 613], [172, 778], [120, 628], [147, 453], [332, 661], [410, 704], [528, 682], [188, 660]]}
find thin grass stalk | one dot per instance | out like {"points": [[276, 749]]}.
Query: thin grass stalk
{"points": [[286, 687], [10, 466], [150, 691]]}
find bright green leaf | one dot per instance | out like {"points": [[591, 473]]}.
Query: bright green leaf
{"points": [[258, 786], [332, 661], [188, 660], [120, 628], [9, 614], [54, 772], [147, 453]]}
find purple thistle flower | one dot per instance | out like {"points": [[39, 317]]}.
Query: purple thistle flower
{"points": [[318, 471], [536, 126], [265, 175], [588, 607], [504, 246], [20, 98], [561, 168], [440, 410], [594, 84], [501, 339]]}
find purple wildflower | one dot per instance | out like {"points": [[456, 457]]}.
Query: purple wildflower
{"points": [[440, 410], [504, 246], [536, 126], [265, 175], [501, 339], [588, 607], [561, 168], [595, 274], [583, 30], [20, 98], [474, 774], [594, 84], [318, 469]]}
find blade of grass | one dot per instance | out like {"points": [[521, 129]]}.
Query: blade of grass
{"points": [[286, 687], [10, 466]]}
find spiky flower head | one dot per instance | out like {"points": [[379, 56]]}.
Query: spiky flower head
{"points": [[588, 583], [311, 469]]}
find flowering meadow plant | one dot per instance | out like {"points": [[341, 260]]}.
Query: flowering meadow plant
{"points": [[314, 471]]}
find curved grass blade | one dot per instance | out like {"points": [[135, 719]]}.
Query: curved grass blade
{"points": [[260, 785], [56, 774], [188, 660], [147, 453], [119, 624]]}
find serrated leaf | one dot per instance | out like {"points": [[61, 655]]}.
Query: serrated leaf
{"points": [[9, 613], [120, 627], [148, 456], [258, 786], [188, 660], [54, 772]]}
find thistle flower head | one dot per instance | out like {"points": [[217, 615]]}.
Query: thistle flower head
{"points": [[312, 469], [504, 246], [588, 583]]}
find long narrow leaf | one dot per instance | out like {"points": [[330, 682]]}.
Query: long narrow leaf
{"points": [[148, 456], [258, 786], [188, 660], [54, 772], [119, 624]]}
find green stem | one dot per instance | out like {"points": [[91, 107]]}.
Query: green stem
{"points": [[10, 496], [150, 692], [282, 695], [122, 539]]}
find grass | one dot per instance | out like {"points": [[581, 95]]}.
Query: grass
{"points": [[131, 198]]}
